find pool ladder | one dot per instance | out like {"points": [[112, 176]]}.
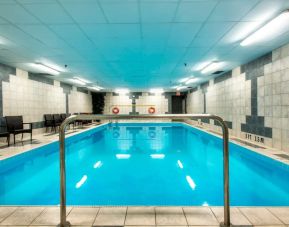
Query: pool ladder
{"points": [[65, 123]]}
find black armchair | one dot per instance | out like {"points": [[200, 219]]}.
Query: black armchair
{"points": [[5, 134], [57, 120], [15, 126], [48, 121]]}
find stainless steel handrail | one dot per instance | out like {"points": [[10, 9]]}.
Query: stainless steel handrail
{"points": [[65, 223]]}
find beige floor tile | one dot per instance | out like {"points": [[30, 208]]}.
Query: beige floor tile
{"points": [[170, 216], [140, 210], [200, 216], [50, 216], [173, 226], [82, 215], [5, 212], [282, 213], [140, 226], [140, 216], [23, 216], [270, 225], [111, 216], [237, 218], [204, 226], [260, 216]]}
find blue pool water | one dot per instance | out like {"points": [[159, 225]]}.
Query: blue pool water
{"points": [[143, 164]]}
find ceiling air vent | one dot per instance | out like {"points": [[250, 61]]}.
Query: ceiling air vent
{"points": [[218, 72]]}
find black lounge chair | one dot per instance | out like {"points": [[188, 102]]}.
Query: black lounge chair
{"points": [[48, 121], [57, 120], [15, 126], [63, 116], [6, 135]]}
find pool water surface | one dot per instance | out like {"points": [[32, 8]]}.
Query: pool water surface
{"points": [[143, 164]]}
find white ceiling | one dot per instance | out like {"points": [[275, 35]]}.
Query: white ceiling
{"points": [[138, 44]]}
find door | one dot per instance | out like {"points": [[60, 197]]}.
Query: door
{"points": [[177, 104]]}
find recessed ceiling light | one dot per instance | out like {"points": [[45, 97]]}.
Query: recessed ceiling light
{"points": [[181, 88], [122, 91], [201, 66], [183, 80], [211, 67], [96, 88], [157, 90], [45, 68], [76, 81], [279, 25], [82, 80], [192, 80]]}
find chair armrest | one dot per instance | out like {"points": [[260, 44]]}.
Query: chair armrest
{"points": [[30, 125]]}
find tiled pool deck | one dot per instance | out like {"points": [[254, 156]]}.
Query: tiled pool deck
{"points": [[143, 216], [137, 216]]}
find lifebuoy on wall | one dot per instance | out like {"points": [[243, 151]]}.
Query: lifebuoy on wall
{"points": [[115, 110], [151, 110]]}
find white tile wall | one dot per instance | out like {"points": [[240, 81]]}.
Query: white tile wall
{"points": [[79, 102], [159, 102], [143, 102], [231, 99], [122, 102], [33, 99]]}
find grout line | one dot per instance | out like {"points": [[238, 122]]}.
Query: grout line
{"points": [[125, 216], [244, 215], [216, 215], [45, 208], [155, 215], [238, 208], [96, 215], [8, 215], [185, 216], [276, 216]]}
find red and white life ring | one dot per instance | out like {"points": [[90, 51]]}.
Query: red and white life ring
{"points": [[151, 110], [115, 110]]}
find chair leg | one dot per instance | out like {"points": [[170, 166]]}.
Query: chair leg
{"points": [[8, 140], [31, 137], [22, 137], [14, 139]]}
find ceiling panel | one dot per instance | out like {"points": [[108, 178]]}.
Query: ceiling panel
{"points": [[215, 29], [182, 34], [156, 30], [16, 14], [157, 11], [68, 31], [44, 35], [134, 43], [238, 9], [84, 11], [48, 13], [125, 11], [195, 11], [102, 31], [265, 10]]}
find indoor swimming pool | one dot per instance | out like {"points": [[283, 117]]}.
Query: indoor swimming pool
{"points": [[143, 164]]}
